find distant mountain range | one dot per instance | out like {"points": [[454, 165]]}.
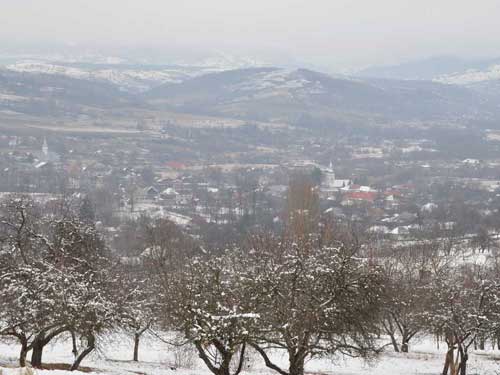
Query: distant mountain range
{"points": [[279, 94], [482, 76], [261, 93], [430, 69], [131, 74], [129, 77], [55, 95]]}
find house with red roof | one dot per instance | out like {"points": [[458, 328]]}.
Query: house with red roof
{"points": [[354, 197]]}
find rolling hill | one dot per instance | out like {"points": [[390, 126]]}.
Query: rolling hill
{"points": [[261, 94], [278, 94], [39, 93]]}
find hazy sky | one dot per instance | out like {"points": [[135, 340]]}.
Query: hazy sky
{"points": [[337, 32]]}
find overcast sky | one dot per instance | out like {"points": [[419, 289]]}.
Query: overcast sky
{"points": [[339, 32]]}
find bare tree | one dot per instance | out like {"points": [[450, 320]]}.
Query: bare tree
{"points": [[302, 205], [465, 305], [407, 271], [56, 276], [206, 302], [314, 297]]}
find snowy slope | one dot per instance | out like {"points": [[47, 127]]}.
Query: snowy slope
{"points": [[471, 76], [485, 81], [283, 94], [133, 79]]}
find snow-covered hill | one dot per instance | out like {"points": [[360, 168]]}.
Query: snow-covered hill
{"points": [[128, 78], [129, 74], [480, 75], [282, 94], [485, 81], [472, 76], [449, 69]]}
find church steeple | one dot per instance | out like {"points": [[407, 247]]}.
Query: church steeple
{"points": [[329, 176], [45, 147]]}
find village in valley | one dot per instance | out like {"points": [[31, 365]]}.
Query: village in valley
{"points": [[395, 189]]}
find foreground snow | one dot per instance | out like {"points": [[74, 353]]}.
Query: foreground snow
{"points": [[157, 358]]}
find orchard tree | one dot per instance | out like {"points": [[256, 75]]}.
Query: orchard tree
{"points": [[315, 297], [89, 296], [465, 305], [28, 287], [94, 307], [407, 271], [207, 303], [166, 250], [142, 305], [29, 310], [56, 276]]}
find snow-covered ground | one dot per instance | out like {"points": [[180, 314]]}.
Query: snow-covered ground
{"points": [[157, 358]]}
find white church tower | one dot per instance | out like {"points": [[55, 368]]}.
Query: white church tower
{"points": [[45, 148], [329, 177]]}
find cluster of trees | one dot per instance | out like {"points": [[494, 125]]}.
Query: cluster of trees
{"points": [[448, 294], [314, 289], [307, 295], [57, 276]]}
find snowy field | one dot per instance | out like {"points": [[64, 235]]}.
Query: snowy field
{"points": [[157, 358]]}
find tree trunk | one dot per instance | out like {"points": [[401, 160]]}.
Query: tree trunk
{"points": [[296, 367], [394, 342], [225, 370], [463, 364], [36, 354], [448, 361], [73, 342], [222, 366], [136, 347], [389, 330], [404, 346], [90, 347], [241, 359], [23, 354], [42, 339], [208, 361]]}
